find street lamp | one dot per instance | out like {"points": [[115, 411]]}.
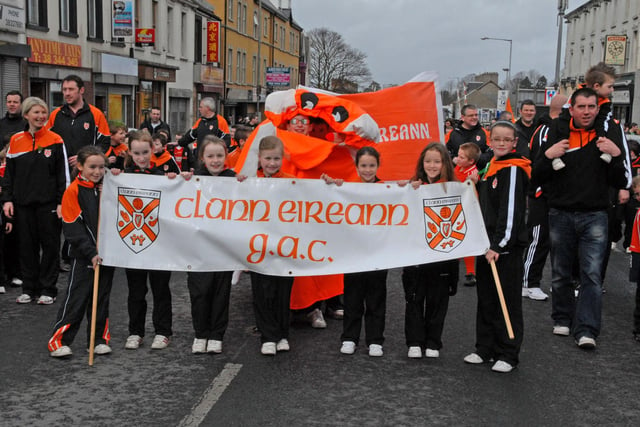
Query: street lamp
{"points": [[510, 46]]}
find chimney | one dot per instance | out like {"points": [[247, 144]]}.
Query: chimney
{"points": [[285, 4]]}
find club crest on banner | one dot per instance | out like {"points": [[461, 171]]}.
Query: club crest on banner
{"points": [[445, 224], [137, 221]]}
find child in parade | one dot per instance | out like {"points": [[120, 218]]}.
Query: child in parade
{"points": [[634, 273], [35, 179], [502, 194], [139, 161], [468, 155], [365, 293], [240, 137], [80, 205], [271, 294], [161, 158], [117, 151], [427, 287], [210, 291]]}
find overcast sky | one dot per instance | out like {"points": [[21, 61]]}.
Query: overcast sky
{"points": [[404, 37]]}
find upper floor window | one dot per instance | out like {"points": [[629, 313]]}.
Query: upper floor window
{"points": [[230, 11], [37, 13], [68, 16], [255, 25], [94, 19]]}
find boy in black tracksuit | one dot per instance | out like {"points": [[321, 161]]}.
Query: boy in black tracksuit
{"points": [[502, 195]]}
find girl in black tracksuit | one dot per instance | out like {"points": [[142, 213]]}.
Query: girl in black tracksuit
{"points": [[80, 205], [427, 287], [210, 291], [139, 161]]}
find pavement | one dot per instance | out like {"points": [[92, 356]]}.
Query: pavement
{"points": [[556, 384]]}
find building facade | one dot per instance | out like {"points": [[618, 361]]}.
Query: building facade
{"points": [[607, 30], [186, 50]]}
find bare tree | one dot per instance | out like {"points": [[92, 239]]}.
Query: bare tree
{"points": [[333, 64]]}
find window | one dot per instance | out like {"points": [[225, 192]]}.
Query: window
{"points": [[183, 37], [230, 65], [37, 13], [255, 25], [244, 67], [154, 18], [254, 71], [94, 19], [265, 27], [230, 11], [68, 17], [170, 32], [244, 19], [238, 67], [197, 52], [239, 15], [282, 35], [264, 71]]}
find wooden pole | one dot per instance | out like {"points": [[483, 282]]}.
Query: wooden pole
{"points": [[503, 305], [94, 309]]}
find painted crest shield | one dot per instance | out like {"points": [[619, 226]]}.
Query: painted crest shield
{"points": [[138, 223], [445, 224]]}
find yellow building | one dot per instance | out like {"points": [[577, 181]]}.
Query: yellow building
{"points": [[259, 51]]}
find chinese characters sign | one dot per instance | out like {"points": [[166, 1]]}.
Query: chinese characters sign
{"points": [[213, 41]]}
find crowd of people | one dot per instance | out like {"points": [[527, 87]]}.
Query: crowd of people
{"points": [[529, 174]]}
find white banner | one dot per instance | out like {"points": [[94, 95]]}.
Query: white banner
{"points": [[284, 227]]}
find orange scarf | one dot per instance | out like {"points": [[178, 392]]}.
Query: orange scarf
{"points": [[496, 165]]}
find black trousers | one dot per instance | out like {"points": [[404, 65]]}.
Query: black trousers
{"points": [[78, 302], [536, 253], [365, 294], [271, 297], [137, 303], [39, 231], [209, 293], [636, 311], [426, 291], [492, 339]]}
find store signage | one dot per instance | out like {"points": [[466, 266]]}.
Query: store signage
{"points": [[145, 37], [55, 53], [278, 76], [213, 41], [122, 18]]}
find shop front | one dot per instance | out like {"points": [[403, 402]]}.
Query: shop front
{"points": [[115, 78], [152, 88], [12, 52]]}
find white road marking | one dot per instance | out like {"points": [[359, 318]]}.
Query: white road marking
{"points": [[211, 396]]}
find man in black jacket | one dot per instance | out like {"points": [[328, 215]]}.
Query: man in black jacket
{"points": [[12, 122], [154, 123], [578, 198], [526, 126], [469, 130]]}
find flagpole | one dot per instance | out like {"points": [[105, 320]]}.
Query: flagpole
{"points": [[94, 309], [503, 305]]}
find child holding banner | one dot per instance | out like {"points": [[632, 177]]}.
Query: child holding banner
{"points": [[271, 294], [365, 293], [139, 161], [161, 157], [80, 204], [210, 291], [427, 287], [502, 194]]}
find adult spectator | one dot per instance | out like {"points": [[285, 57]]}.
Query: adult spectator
{"points": [[78, 122], [209, 123], [155, 124], [538, 218], [633, 129], [12, 122], [506, 116], [525, 126], [578, 198], [470, 130]]}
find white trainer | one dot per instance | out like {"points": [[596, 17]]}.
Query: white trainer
{"points": [[561, 330], [214, 346], [24, 299], [586, 343], [283, 345], [61, 352], [316, 319], [102, 349], [502, 367], [160, 342], [537, 294], [415, 352], [46, 300], [431, 353], [133, 342], [473, 359], [199, 346], [268, 348], [375, 350], [348, 347]]}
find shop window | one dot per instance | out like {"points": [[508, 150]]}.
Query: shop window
{"points": [[197, 40]]}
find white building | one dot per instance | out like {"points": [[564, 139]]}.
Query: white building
{"points": [[606, 29]]}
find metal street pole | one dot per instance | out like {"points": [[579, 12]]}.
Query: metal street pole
{"points": [[510, 51], [562, 6]]}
